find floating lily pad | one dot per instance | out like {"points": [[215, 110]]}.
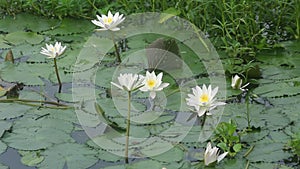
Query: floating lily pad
{"points": [[3, 166], [277, 120], [4, 126], [43, 121], [75, 156], [3, 43], [103, 154], [34, 72], [12, 110], [3, 147], [267, 152], [69, 26], [25, 21], [35, 138], [277, 89], [174, 154], [265, 165], [17, 38]]}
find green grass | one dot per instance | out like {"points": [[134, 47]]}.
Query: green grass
{"points": [[241, 28]]}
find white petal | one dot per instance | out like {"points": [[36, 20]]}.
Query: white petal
{"points": [[159, 88], [97, 23], [208, 147], [152, 94], [116, 16], [109, 15], [118, 86], [214, 92], [115, 29], [220, 157], [201, 111], [102, 29], [204, 89], [159, 76]]}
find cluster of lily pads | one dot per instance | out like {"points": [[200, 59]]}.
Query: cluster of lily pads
{"points": [[203, 99]]}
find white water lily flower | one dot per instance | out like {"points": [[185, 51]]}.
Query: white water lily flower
{"points": [[53, 51], [153, 83], [109, 22], [236, 83], [212, 154], [129, 81], [203, 99]]}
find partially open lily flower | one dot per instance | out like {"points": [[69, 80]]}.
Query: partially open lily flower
{"points": [[53, 51], [129, 81], [236, 83], [212, 154], [203, 99], [153, 83], [109, 22]]}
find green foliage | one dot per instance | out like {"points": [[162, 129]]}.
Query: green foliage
{"points": [[228, 138], [295, 144], [46, 134], [240, 27], [31, 158]]}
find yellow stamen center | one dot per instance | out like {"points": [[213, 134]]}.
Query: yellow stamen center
{"points": [[151, 83], [204, 98], [108, 20]]}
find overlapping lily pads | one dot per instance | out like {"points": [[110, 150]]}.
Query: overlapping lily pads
{"points": [[45, 134]]}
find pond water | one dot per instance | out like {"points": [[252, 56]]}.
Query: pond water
{"points": [[49, 136]]}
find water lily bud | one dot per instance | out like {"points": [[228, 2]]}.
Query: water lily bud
{"points": [[9, 57], [236, 82]]}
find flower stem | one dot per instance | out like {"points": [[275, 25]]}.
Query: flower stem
{"points": [[127, 128], [204, 118], [116, 48], [248, 111], [57, 75]]}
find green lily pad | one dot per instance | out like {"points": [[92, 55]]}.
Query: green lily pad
{"points": [[174, 154], [75, 156], [3, 166], [3, 147], [103, 154], [4, 125], [277, 120], [254, 136], [237, 112], [277, 89], [3, 43], [34, 72], [35, 138], [265, 165], [267, 152], [31, 158], [27, 21], [12, 110], [92, 53], [147, 164], [70, 26], [43, 122], [17, 38]]}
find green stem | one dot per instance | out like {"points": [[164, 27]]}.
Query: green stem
{"points": [[32, 101], [57, 75], [204, 119], [128, 128], [248, 111], [116, 48], [249, 151]]}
